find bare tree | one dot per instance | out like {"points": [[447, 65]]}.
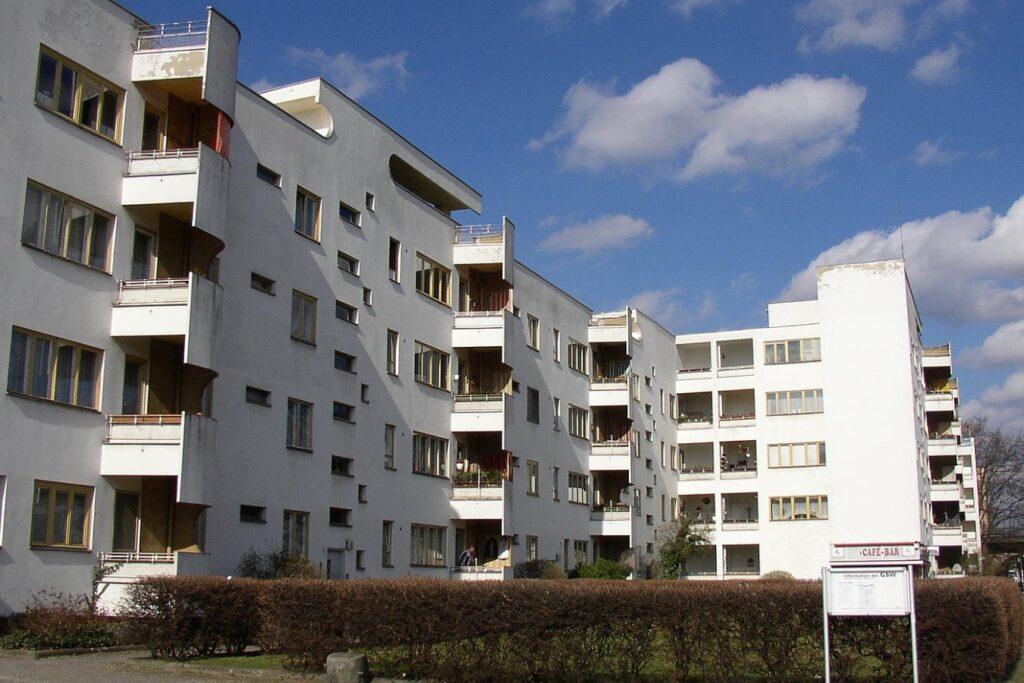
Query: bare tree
{"points": [[1000, 473]]}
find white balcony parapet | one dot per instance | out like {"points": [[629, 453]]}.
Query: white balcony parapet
{"points": [[125, 568], [166, 162], [479, 234], [477, 403], [144, 428], [173, 291], [181, 35], [478, 329]]}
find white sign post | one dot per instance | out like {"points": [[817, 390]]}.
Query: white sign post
{"points": [[870, 580]]}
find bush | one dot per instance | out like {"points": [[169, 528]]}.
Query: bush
{"points": [[194, 616], [777, 575], [538, 569], [57, 621], [276, 565], [604, 569]]}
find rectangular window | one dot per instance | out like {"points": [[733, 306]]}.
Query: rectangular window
{"points": [[531, 549], [344, 361], [428, 545], [348, 263], [394, 259], [556, 413], [261, 283], [429, 454], [256, 396], [387, 531], [579, 551], [556, 345], [533, 331], [349, 215], [555, 495], [389, 447], [360, 560], [532, 405], [430, 366], [792, 351], [367, 296], [392, 352], [361, 493], [295, 538], [268, 176], [810, 454], [796, 402], [578, 488], [307, 214], [577, 356], [341, 466], [67, 228], [433, 279], [343, 412], [53, 369], [371, 202], [300, 424], [578, 421], [349, 314], [252, 514], [80, 95], [303, 317], [532, 478], [61, 515], [364, 393], [789, 508], [340, 517]]}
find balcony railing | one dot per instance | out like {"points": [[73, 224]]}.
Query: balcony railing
{"points": [[134, 428], [479, 234], [609, 321], [683, 371], [694, 418], [737, 416], [152, 292], [951, 523], [181, 35], [696, 469], [163, 162], [936, 350], [947, 388], [740, 520], [140, 558]]}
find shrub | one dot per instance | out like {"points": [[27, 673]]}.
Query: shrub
{"points": [[193, 616], [58, 620], [276, 565], [777, 575], [605, 569], [538, 569]]}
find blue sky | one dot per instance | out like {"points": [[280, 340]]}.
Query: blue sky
{"points": [[695, 157]]}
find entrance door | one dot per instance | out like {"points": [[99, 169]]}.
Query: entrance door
{"points": [[126, 522], [336, 563]]}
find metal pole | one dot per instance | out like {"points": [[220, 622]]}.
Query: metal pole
{"points": [[913, 621], [824, 617]]}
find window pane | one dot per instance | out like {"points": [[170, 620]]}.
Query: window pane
{"points": [[89, 109], [65, 374], [142, 255], [18, 367], [47, 80], [61, 505], [41, 350], [800, 508], [66, 103], [769, 353], [98, 243], [108, 114], [87, 370], [793, 351], [76, 233], [56, 218], [796, 402], [35, 214], [79, 512], [40, 514], [126, 516]]}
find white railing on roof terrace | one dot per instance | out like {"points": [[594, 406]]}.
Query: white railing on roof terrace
{"points": [[146, 558], [478, 234], [181, 35]]}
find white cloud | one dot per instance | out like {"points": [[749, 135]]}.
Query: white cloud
{"points": [[667, 307], [688, 7], [606, 7], [355, 77], [1002, 404], [838, 24], [677, 117], [962, 266], [262, 85], [930, 152], [938, 66], [555, 11], [606, 232], [1002, 348]]}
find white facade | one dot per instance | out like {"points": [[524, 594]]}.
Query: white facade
{"points": [[240, 321]]}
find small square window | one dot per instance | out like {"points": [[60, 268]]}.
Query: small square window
{"points": [[344, 361], [256, 396], [262, 283], [371, 202], [341, 466], [268, 176], [515, 387], [650, 548], [341, 517], [650, 520], [367, 296], [362, 493], [343, 412], [348, 214], [348, 263], [343, 311], [364, 393], [252, 514]]}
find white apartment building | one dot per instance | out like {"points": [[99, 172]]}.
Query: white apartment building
{"points": [[257, 321], [832, 425]]}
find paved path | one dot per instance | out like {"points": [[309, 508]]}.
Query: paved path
{"points": [[123, 666]]}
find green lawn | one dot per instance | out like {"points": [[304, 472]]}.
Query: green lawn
{"points": [[242, 662]]}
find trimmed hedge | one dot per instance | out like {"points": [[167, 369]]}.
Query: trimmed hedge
{"points": [[968, 629]]}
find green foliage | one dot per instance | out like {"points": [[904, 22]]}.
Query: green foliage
{"points": [[483, 478], [681, 540], [777, 575], [537, 569], [276, 565], [604, 569], [58, 621]]}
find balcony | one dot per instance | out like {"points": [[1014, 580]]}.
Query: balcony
{"points": [[479, 495], [609, 391], [942, 395], [735, 357], [186, 307], [188, 184], [478, 412], [479, 329], [741, 561], [481, 245], [738, 460], [128, 568], [736, 408], [160, 445], [937, 356], [610, 520], [609, 328], [610, 455], [697, 461], [739, 512], [694, 361]]}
